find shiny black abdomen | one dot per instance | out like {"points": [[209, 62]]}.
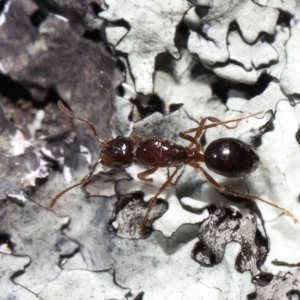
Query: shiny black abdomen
{"points": [[160, 152], [230, 157]]}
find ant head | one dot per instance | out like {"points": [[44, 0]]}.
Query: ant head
{"points": [[117, 153]]}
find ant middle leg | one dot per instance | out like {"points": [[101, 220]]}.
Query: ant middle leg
{"points": [[225, 190], [193, 143]]}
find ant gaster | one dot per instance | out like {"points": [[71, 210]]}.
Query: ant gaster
{"points": [[229, 157]]}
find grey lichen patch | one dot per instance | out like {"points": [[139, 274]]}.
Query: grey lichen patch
{"points": [[243, 52], [130, 210], [53, 61], [284, 189], [143, 43], [20, 163], [169, 221], [186, 82], [21, 223], [248, 61], [107, 181], [292, 70], [9, 265], [82, 14], [211, 45], [221, 228], [102, 286], [32, 57], [284, 285]]}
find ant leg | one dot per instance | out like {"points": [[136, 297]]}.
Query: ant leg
{"points": [[219, 123], [199, 130], [71, 115], [224, 190], [215, 120], [81, 182], [191, 139], [154, 199], [137, 139], [142, 176], [194, 139]]}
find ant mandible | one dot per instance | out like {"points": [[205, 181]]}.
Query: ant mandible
{"points": [[229, 157]]}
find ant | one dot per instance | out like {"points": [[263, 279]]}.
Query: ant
{"points": [[229, 157]]}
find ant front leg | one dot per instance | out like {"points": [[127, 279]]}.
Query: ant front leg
{"points": [[81, 182]]}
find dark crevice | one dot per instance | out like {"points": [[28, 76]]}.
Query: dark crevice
{"points": [[52, 97], [262, 244], [263, 279], [153, 104], [93, 35], [252, 296], [264, 36], [120, 91], [17, 274], [5, 239], [96, 8], [38, 17], [140, 296], [297, 135], [222, 87], [292, 293], [201, 11], [68, 256], [2, 5], [284, 18], [12, 89], [201, 247], [175, 107]]}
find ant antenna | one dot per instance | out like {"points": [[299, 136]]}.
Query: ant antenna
{"points": [[219, 122], [87, 178], [71, 115]]}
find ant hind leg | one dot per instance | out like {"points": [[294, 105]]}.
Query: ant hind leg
{"points": [[224, 190]]}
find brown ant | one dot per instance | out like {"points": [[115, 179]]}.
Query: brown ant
{"points": [[229, 157]]}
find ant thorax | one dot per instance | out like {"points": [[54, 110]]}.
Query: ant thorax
{"points": [[160, 152]]}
